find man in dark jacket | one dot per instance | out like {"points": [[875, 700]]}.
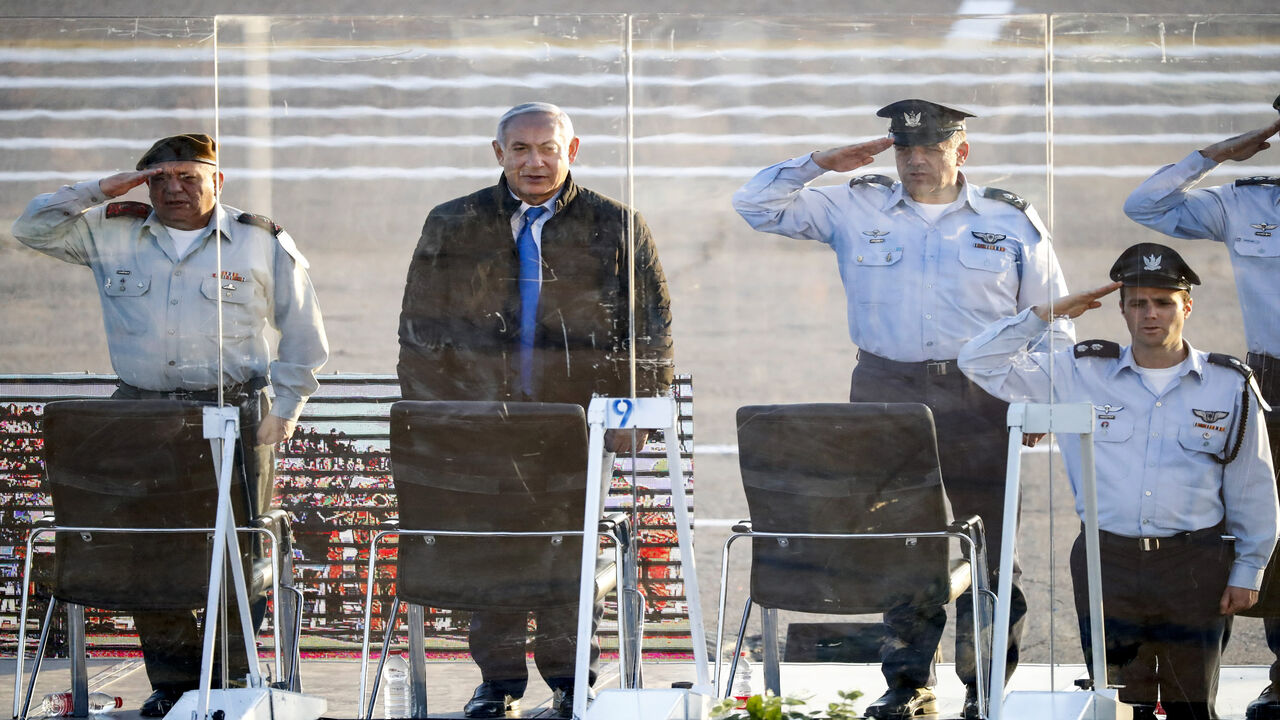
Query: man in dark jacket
{"points": [[534, 289]]}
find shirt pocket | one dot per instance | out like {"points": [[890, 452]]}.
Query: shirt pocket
{"points": [[875, 254], [1111, 426], [993, 258], [1263, 247], [238, 318], [126, 301], [1202, 437]]}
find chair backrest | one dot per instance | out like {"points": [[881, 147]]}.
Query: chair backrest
{"points": [[132, 464], [844, 468], [489, 466]]}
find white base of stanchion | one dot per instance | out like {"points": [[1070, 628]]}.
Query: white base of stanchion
{"points": [[250, 704], [1081, 705], [655, 704]]}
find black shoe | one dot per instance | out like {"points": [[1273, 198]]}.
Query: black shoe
{"points": [[562, 702], [970, 711], [160, 703], [903, 704], [489, 701], [1266, 706]]}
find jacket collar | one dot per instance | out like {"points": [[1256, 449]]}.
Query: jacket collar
{"points": [[509, 203]]}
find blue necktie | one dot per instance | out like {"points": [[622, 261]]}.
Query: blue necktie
{"points": [[530, 287]]}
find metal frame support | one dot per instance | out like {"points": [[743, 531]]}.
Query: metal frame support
{"points": [[639, 414], [1070, 418]]}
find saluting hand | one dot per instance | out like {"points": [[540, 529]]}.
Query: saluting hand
{"points": [[121, 183], [1242, 146], [1076, 304], [851, 157]]}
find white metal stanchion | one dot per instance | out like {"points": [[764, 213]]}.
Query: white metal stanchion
{"points": [[638, 704], [1099, 702], [222, 429]]}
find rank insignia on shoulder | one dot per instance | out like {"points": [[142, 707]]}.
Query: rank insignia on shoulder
{"points": [[1259, 180], [1230, 361], [1097, 348], [129, 208], [260, 221], [1005, 196], [877, 179]]}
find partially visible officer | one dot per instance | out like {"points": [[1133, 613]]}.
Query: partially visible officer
{"points": [[1181, 458], [927, 262], [157, 276], [521, 291], [1244, 216]]}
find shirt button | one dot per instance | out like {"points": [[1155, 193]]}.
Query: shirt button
{"points": [[173, 302], [929, 344], [171, 363], [1159, 404], [177, 273], [1155, 435], [927, 316], [1146, 522], [1147, 493], [170, 331]]}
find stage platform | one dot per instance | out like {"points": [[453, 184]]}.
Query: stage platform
{"points": [[450, 684]]}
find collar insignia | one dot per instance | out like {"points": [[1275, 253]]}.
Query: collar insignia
{"points": [[1151, 262], [1210, 416]]}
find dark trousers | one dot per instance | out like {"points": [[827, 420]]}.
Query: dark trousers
{"points": [[497, 642], [172, 640], [1164, 632], [497, 639], [1267, 371], [972, 447]]}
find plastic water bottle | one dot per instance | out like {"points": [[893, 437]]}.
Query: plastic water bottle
{"points": [[59, 704], [395, 687], [742, 681]]}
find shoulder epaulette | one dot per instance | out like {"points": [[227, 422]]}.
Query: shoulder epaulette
{"points": [[1097, 348], [877, 179], [1233, 362], [260, 221], [129, 208], [1259, 180], [1005, 196]]}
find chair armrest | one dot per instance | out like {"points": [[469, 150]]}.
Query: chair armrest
{"points": [[972, 527], [742, 526], [618, 526], [273, 517]]}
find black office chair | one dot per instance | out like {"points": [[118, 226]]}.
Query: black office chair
{"points": [[490, 496], [134, 504], [848, 516]]}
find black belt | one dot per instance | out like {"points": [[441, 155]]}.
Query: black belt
{"points": [[1151, 544], [926, 367], [232, 392]]}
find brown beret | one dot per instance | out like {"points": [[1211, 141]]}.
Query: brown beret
{"points": [[195, 147]]}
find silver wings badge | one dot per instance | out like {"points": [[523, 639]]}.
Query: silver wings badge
{"points": [[1210, 416]]}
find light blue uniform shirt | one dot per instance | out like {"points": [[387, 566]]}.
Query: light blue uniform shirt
{"points": [[160, 308], [1246, 218], [1154, 453], [915, 291]]}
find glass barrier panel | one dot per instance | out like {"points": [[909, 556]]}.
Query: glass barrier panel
{"points": [[1137, 103], [349, 132]]}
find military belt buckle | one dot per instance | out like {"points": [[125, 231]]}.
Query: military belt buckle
{"points": [[936, 367], [1147, 544]]}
